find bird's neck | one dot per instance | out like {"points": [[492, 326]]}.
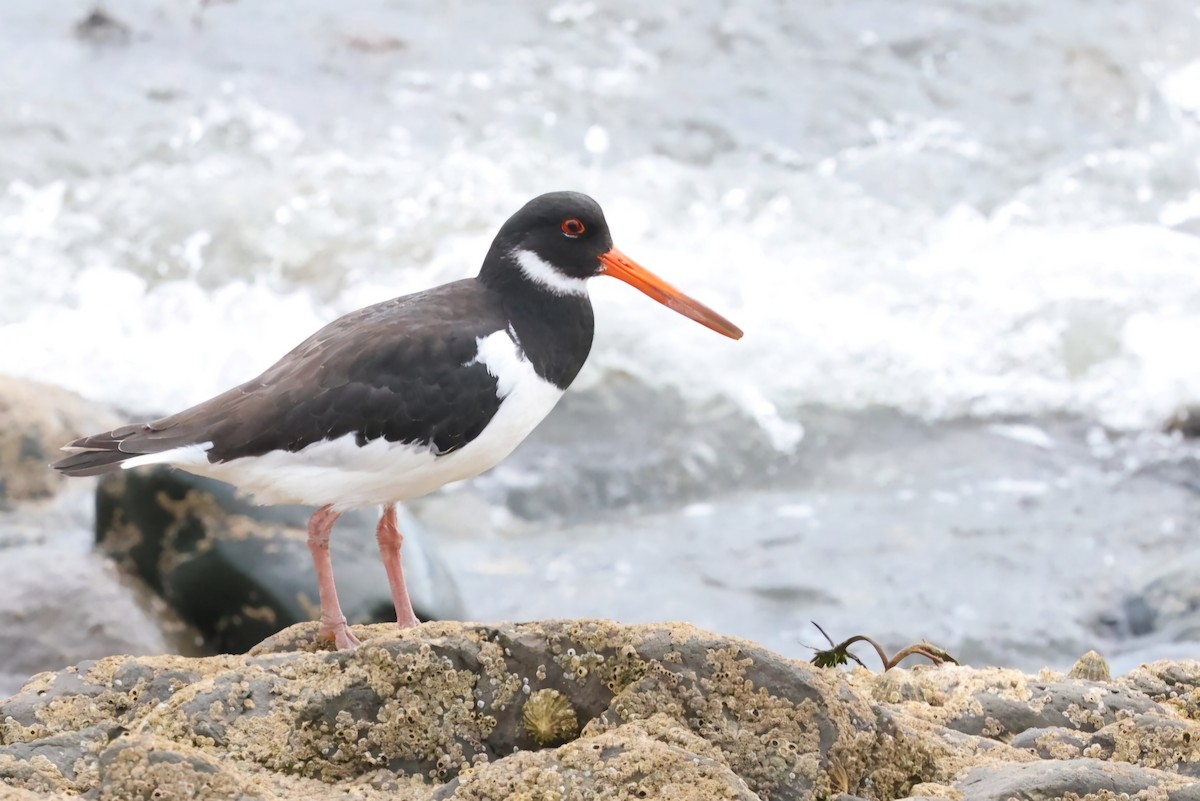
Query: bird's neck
{"points": [[554, 329]]}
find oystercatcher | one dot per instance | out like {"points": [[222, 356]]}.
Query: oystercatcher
{"points": [[392, 401]]}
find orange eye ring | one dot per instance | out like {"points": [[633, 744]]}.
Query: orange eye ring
{"points": [[573, 227]]}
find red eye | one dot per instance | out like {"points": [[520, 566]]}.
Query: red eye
{"points": [[573, 227]]}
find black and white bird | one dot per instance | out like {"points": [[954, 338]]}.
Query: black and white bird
{"points": [[392, 401]]}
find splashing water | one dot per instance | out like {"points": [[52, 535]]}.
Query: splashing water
{"points": [[879, 199]]}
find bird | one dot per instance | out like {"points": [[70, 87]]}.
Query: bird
{"points": [[392, 401]]}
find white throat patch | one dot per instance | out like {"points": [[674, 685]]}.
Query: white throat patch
{"points": [[542, 272]]}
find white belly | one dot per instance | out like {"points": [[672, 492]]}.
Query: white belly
{"points": [[340, 473]]}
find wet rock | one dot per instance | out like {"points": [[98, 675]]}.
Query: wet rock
{"points": [[629, 761], [999, 704], [437, 712], [1176, 684], [35, 420], [1167, 605], [659, 711], [1056, 742], [776, 723], [896, 685], [240, 572], [1147, 718], [1051, 779], [59, 603], [100, 27], [89, 612], [999, 714], [1152, 741], [1186, 421], [654, 455]]}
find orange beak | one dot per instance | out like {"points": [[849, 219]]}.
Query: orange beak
{"points": [[618, 265]]}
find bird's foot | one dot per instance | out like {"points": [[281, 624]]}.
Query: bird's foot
{"points": [[339, 634], [407, 621]]}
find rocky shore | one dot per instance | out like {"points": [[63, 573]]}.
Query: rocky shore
{"points": [[559, 709], [568, 709]]}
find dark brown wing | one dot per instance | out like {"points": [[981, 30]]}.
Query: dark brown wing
{"points": [[402, 370]]}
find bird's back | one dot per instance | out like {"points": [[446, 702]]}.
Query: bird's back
{"points": [[414, 379]]}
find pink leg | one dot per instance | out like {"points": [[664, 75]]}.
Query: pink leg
{"points": [[390, 540], [333, 622]]}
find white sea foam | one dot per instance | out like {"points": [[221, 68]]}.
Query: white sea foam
{"points": [[907, 259], [985, 319]]}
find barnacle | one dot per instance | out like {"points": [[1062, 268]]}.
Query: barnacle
{"points": [[896, 686]]}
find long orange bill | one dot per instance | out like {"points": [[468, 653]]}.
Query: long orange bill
{"points": [[618, 265]]}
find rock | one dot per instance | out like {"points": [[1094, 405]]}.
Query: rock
{"points": [[100, 27], [1175, 684], [630, 760], [999, 704], [1149, 740], [437, 712], [1147, 718], [661, 711], [1056, 742], [1052, 779], [88, 613], [997, 713], [1167, 605], [58, 602], [186, 535], [657, 455], [35, 421], [1185, 421]]}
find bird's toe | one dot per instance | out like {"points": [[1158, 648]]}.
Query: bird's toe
{"points": [[340, 635]]}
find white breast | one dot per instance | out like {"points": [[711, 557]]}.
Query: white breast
{"points": [[341, 473]]}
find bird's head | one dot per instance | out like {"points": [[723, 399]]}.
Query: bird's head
{"points": [[559, 240]]}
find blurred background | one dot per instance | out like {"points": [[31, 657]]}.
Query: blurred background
{"points": [[961, 237]]}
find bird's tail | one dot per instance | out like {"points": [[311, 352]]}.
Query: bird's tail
{"points": [[103, 453], [99, 453]]}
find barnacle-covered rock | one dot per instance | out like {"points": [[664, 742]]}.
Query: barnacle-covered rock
{"points": [[446, 710], [577, 709]]}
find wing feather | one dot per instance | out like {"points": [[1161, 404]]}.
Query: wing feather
{"points": [[399, 370]]}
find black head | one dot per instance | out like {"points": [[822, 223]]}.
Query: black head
{"points": [[564, 231], [559, 240]]}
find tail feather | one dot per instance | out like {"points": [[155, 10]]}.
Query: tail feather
{"points": [[103, 453], [91, 463]]}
